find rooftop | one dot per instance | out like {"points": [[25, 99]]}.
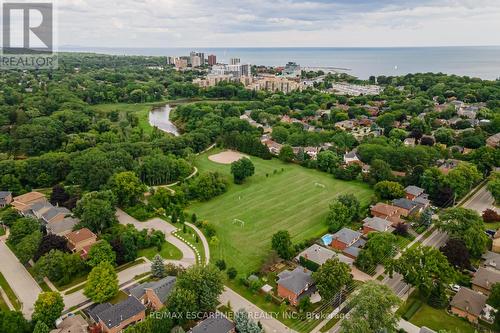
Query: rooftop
{"points": [[377, 223], [161, 288], [469, 301], [320, 255], [346, 235], [297, 280], [216, 323], [485, 278], [115, 314], [414, 190], [79, 235]]}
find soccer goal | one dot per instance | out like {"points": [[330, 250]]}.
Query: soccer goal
{"points": [[319, 185], [242, 223]]}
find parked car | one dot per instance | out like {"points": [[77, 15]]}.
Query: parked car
{"points": [[455, 287]]}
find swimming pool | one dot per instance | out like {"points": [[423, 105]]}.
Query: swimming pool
{"points": [[327, 239]]}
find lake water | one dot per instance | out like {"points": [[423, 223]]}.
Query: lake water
{"points": [[476, 61], [160, 117]]}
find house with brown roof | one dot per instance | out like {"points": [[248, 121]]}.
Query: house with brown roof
{"points": [[23, 202], [344, 238], [468, 304], [387, 212], [484, 279], [81, 240], [71, 324], [493, 141]]}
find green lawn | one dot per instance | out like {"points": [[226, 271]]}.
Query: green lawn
{"points": [[9, 292], [438, 319], [2, 231], [168, 251], [192, 237], [287, 199]]}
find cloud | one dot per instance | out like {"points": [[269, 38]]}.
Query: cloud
{"points": [[226, 23]]}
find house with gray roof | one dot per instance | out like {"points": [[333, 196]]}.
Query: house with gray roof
{"points": [[344, 238], [468, 304], [296, 284], [5, 198], [154, 294], [215, 323], [491, 260], [376, 224], [407, 206], [55, 214], [63, 227], [413, 191], [114, 318], [319, 255], [484, 279]]}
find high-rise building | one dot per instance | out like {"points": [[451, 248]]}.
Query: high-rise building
{"points": [[234, 61], [198, 54], [246, 70], [195, 61], [212, 60]]}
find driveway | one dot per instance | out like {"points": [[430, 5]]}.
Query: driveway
{"points": [[188, 255], [270, 324], [23, 284]]}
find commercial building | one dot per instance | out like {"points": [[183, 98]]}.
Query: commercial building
{"points": [[234, 61], [212, 59]]}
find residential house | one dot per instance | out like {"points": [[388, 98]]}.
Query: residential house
{"points": [[344, 238], [154, 294], [345, 125], [63, 227], [493, 141], [55, 214], [354, 250], [319, 255], [468, 304], [413, 192], [484, 279], [410, 142], [293, 285], [81, 240], [73, 324], [376, 224], [387, 212], [491, 260], [115, 318], [445, 166], [22, 202], [215, 323], [422, 201], [5, 198], [407, 207], [273, 146], [351, 158]]}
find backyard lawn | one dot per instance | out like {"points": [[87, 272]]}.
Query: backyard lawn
{"points": [[288, 198], [438, 319]]}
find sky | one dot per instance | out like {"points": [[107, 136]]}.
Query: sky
{"points": [[277, 23]]}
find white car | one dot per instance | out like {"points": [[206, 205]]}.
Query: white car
{"points": [[455, 287]]}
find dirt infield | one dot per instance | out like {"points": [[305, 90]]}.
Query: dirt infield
{"points": [[226, 157]]}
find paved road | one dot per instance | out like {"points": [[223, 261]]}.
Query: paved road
{"points": [[188, 255], [23, 284], [203, 241], [270, 324], [481, 201]]}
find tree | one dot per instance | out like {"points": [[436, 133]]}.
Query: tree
{"points": [[489, 216], [51, 242], [27, 247], [220, 264], [8, 216], [331, 277], [157, 267], [182, 302], [462, 178], [14, 322], [242, 169], [96, 211], [127, 188], [102, 283], [494, 186], [438, 298], [351, 202], [422, 267], [59, 266], [231, 273], [457, 253], [338, 216], [327, 161], [494, 298], [401, 229], [100, 252], [379, 171], [58, 196], [286, 154], [21, 228], [282, 243], [389, 190], [464, 224], [379, 249], [244, 324], [48, 307], [372, 310], [206, 284], [41, 327]]}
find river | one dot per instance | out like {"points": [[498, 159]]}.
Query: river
{"points": [[160, 117]]}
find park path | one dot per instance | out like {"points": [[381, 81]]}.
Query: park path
{"points": [[188, 255], [21, 282], [203, 241]]}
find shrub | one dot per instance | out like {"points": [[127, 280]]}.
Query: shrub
{"points": [[489, 215], [414, 307]]}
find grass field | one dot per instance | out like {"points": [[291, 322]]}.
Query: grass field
{"points": [[168, 251], [9, 292], [286, 199]]}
